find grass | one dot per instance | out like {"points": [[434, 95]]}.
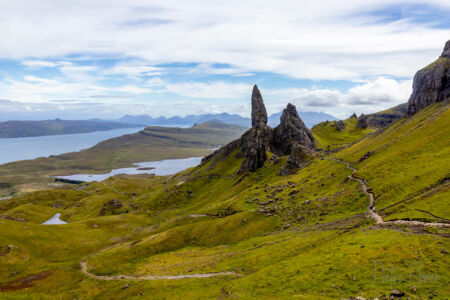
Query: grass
{"points": [[328, 137], [410, 159], [302, 236]]}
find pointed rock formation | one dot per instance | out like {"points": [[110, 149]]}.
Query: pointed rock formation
{"points": [[255, 142], [354, 116], [291, 131], [431, 84], [259, 114], [291, 138], [362, 121]]}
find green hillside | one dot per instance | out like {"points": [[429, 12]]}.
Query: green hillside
{"points": [[302, 236], [329, 137], [151, 144]]}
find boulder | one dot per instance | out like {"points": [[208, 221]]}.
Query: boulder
{"points": [[111, 207], [340, 125]]}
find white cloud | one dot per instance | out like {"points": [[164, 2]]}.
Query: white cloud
{"points": [[209, 90], [43, 63], [134, 69], [299, 39], [382, 90]]}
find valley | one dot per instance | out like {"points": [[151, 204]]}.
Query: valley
{"points": [[351, 209]]}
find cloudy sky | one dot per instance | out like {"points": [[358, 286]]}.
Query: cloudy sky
{"points": [[84, 59]]}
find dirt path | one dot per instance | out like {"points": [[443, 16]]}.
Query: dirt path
{"points": [[371, 212], [113, 188], [84, 269]]}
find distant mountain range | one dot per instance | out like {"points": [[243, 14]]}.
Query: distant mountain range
{"points": [[13, 129], [310, 119]]}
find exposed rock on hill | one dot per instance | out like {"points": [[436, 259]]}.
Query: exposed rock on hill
{"points": [[385, 118], [340, 125], [299, 156], [291, 137], [431, 84], [362, 121], [259, 114], [291, 131], [254, 144]]}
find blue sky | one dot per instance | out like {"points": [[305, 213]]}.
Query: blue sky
{"points": [[102, 59]]}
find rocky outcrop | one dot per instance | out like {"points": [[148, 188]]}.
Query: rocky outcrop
{"points": [[340, 125], [386, 118], [354, 116], [291, 138], [110, 207], [254, 145], [259, 114], [255, 142], [362, 121], [431, 84], [298, 158], [291, 131]]}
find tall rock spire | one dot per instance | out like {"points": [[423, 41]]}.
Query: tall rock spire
{"points": [[259, 114]]}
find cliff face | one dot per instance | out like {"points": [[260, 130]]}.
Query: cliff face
{"points": [[291, 138], [432, 83]]}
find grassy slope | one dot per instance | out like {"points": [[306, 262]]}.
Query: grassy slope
{"points": [[411, 160], [314, 244], [153, 143], [330, 138]]}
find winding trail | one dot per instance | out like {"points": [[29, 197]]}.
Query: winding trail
{"points": [[84, 269], [371, 212]]}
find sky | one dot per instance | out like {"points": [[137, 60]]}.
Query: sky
{"points": [[79, 59]]}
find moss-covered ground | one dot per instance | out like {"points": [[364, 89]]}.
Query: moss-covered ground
{"points": [[302, 236]]}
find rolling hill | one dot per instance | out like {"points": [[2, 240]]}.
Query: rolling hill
{"points": [[338, 212]]}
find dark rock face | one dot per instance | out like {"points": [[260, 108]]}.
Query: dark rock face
{"points": [[380, 120], [431, 84], [299, 156], [110, 207], [254, 144], [259, 114], [340, 125], [446, 52], [291, 137], [354, 116], [291, 131], [362, 121]]}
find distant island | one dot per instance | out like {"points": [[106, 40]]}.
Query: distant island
{"points": [[15, 129]]}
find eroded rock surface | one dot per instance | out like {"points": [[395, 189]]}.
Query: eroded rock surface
{"points": [[431, 84], [362, 121], [291, 131], [291, 138], [259, 114]]}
